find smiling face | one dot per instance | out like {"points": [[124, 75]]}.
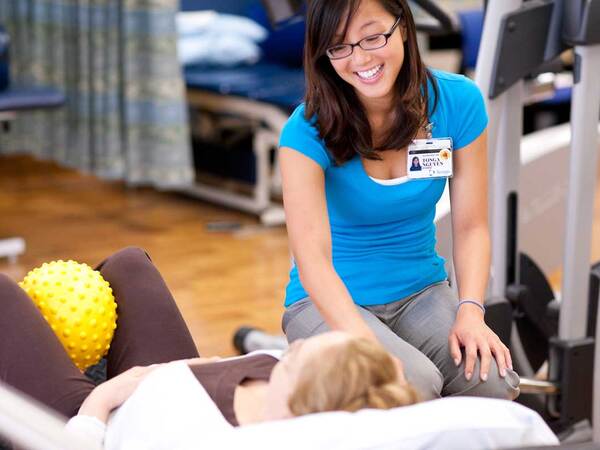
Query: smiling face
{"points": [[372, 73]]}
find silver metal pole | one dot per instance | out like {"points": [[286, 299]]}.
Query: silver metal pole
{"points": [[596, 387], [507, 165], [585, 109], [33, 427], [504, 135]]}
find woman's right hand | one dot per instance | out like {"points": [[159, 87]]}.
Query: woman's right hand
{"points": [[112, 393]]}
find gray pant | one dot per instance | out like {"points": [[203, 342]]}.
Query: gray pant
{"points": [[416, 330]]}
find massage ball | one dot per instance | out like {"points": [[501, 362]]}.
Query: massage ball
{"points": [[79, 306]]}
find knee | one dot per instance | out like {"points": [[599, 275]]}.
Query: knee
{"points": [[506, 388], [6, 282], [129, 256], [130, 253], [496, 386], [426, 379], [8, 288], [13, 301]]}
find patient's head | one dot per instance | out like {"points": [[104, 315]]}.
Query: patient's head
{"points": [[335, 371]]}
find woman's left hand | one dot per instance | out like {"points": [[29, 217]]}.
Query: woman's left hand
{"points": [[471, 332]]}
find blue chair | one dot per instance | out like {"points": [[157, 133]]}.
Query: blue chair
{"points": [[15, 99], [27, 98]]}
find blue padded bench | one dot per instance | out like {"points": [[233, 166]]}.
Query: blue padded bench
{"points": [[30, 98], [263, 82], [264, 93]]}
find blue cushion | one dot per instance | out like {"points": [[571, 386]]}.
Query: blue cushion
{"points": [[266, 82], [24, 98], [222, 6], [561, 96]]}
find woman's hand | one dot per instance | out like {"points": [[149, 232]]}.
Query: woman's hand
{"points": [[112, 393], [471, 332]]}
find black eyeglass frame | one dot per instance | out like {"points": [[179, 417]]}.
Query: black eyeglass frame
{"points": [[358, 44]]}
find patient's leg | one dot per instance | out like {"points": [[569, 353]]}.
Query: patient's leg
{"points": [[150, 328], [32, 359]]}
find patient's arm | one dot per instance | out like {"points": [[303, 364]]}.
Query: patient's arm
{"points": [[113, 393]]}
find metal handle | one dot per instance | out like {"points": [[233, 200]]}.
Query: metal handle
{"points": [[444, 21]]}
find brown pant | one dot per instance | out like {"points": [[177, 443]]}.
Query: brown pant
{"points": [[150, 330]]}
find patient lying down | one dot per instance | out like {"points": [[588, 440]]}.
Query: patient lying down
{"points": [[158, 386], [333, 371]]}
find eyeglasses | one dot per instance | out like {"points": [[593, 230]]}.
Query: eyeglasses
{"points": [[372, 42]]}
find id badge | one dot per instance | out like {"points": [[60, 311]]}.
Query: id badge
{"points": [[429, 158]]}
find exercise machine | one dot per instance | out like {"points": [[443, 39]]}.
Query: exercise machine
{"points": [[519, 37]]}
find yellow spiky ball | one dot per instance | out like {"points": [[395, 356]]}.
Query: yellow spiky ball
{"points": [[79, 306]]}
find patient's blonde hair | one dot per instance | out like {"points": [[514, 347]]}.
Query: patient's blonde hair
{"points": [[350, 376]]}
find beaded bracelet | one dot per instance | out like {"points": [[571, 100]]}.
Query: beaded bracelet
{"points": [[462, 302]]}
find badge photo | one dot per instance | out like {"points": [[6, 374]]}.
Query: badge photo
{"points": [[429, 158]]}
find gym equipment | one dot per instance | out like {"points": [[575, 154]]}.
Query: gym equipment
{"points": [[518, 37], [79, 306], [33, 426]]}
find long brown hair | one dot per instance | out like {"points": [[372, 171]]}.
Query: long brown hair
{"points": [[341, 118], [350, 376]]}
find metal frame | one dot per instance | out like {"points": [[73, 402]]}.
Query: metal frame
{"points": [[504, 135], [266, 138], [11, 248], [34, 427], [580, 204], [505, 108]]}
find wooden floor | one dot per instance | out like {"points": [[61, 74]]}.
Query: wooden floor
{"points": [[220, 280]]}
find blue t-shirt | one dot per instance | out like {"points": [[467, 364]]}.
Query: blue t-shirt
{"points": [[383, 236]]}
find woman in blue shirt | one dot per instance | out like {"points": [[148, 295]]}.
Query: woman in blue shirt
{"points": [[361, 231]]}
